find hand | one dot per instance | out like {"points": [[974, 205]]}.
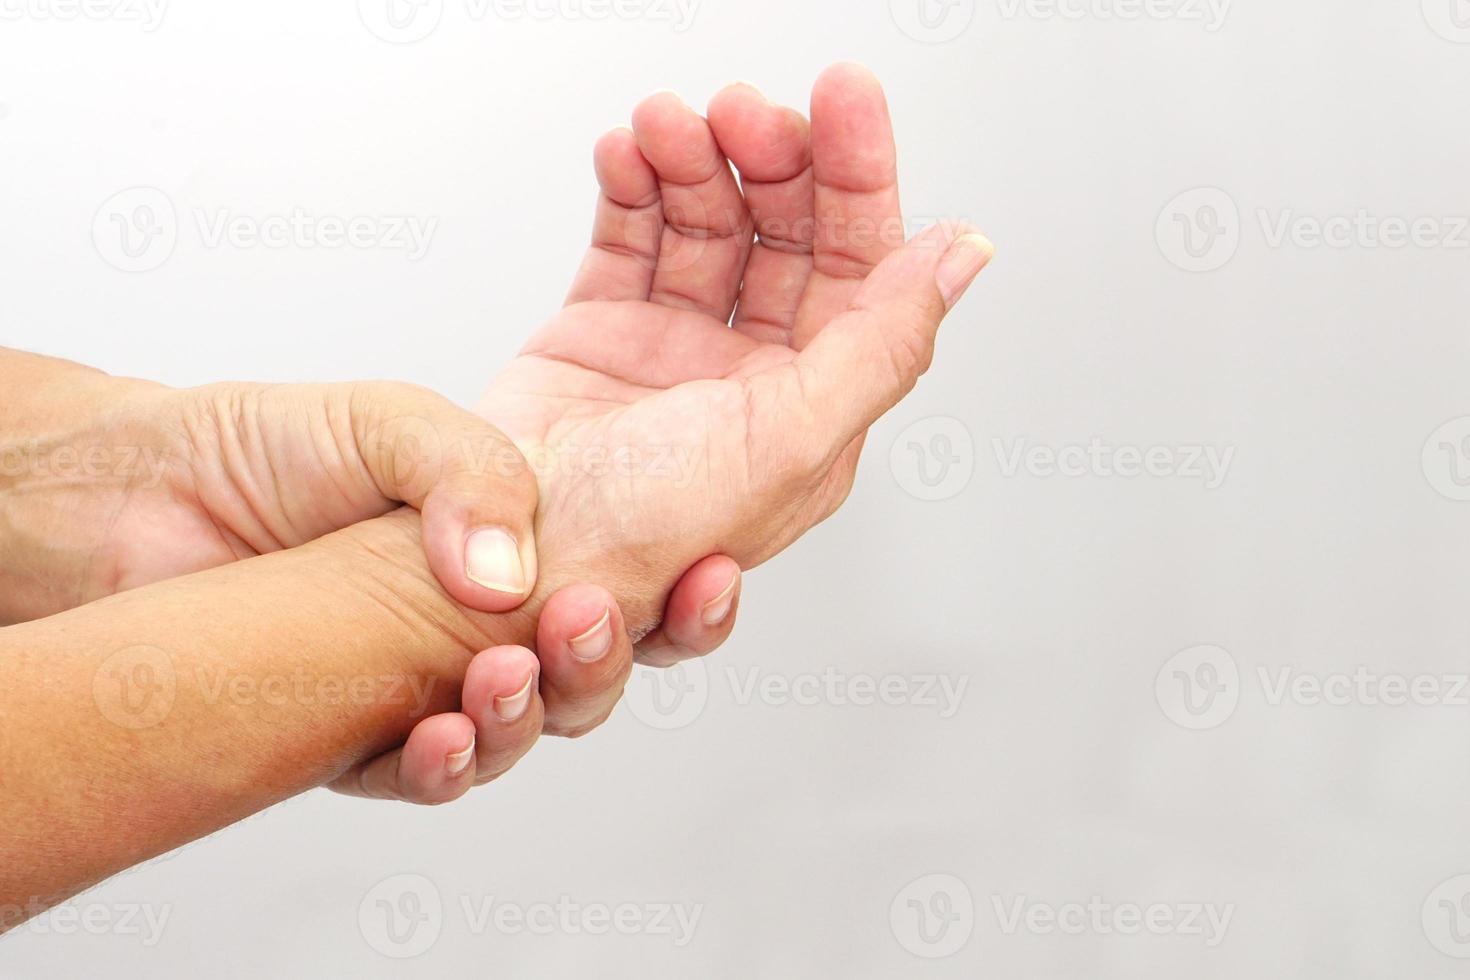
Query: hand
{"points": [[658, 433], [141, 483], [203, 477]]}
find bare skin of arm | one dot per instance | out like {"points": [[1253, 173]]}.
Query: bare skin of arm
{"points": [[109, 484], [145, 720]]}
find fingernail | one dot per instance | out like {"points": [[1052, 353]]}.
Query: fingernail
{"points": [[718, 608], [594, 644], [511, 708], [492, 559], [752, 86], [961, 264], [459, 761]]}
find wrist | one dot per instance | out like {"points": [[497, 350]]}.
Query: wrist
{"points": [[383, 560]]}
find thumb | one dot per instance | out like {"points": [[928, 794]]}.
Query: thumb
{"points": [[476, 492], [862, 363]]}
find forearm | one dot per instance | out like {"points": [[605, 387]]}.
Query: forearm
{"points": [[69, 437], [24, 378], [143, 721]]}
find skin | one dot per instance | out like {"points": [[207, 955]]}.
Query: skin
{"points": [[767, 417], [179, 481], [827, 335]]}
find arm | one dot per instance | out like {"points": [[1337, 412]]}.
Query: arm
{"points": [[109, 484], [143, 721]]}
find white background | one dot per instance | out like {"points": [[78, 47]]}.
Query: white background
{"points": [[1067, 773]]}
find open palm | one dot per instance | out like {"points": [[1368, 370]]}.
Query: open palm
{"points": [[661, 430]]}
